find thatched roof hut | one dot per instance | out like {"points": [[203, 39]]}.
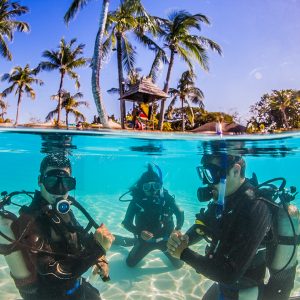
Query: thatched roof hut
{"points": [[144, 91], [228, 128]]}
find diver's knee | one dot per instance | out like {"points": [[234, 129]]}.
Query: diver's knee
{"points": [[130, 262], [178, 264]]}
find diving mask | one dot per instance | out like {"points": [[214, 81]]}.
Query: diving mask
{"points": [[211, 173], [58, 182], [155, 186]]}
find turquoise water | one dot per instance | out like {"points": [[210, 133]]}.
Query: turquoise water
{"points": [[107, 163]]}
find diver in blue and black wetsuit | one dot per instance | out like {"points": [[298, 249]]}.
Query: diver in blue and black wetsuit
{"points": [[236, 256], [150, 217], [56, 249]]}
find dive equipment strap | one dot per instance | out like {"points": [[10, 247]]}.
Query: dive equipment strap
{"points": [[75, 287]]}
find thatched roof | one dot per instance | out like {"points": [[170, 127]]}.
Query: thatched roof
{"points": [[227, 128], [144, 91]]}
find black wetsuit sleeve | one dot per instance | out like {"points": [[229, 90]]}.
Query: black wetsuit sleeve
{"points": [[179, 214], [129, 217], [229, 262]]}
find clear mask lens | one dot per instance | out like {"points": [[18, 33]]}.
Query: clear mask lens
{"points": [[156, 186]]}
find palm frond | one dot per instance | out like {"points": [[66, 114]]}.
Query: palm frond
{"points": [[4, 51], [113, 91], [51, 114], [73, 9], [128, 55]]}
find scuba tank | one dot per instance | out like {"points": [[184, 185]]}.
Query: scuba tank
{"points": [[285, 255], [14, 259], [282, 250], [283, 265]]}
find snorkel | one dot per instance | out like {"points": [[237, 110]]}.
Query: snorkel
{"points": [[159, 172], [222, 184]]}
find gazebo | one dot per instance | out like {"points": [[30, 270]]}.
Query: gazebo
{"points": [[144, 91], [228, 128]]}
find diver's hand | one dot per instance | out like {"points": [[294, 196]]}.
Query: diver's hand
{"points": [[146, 235], [104, 237], [102, 268], [177, 243]]}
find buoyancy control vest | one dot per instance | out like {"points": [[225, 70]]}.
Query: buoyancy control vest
{"points": [[20, 269], [15, 260], [281, 248]]}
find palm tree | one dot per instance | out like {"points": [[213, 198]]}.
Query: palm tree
{"points": [[130, 16], [8, 25], [282, 100], [21, 80], [65, 60], [186, 91], [97, 57], [3, 107], [70, 105], [177, 37]]}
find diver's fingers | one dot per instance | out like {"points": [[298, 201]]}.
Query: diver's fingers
{"points": [[170, 248], [173, 243], [175, 237], [105, 232]]}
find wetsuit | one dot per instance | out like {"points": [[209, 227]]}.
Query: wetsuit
{"points": [[57, 276], [236, 258], [156, 216]]}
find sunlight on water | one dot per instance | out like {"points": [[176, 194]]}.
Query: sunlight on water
{"points": [[106, 164]]}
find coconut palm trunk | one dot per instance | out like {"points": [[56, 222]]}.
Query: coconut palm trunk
{"points": [[182, 114], [121, 77], [67, 119], [97, 64], [59, 98], [166, 89], [18, 106], [285, 118]]}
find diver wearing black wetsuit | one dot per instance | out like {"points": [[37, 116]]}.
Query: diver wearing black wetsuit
{"points": [[55, 248], [151, 213], [236, 258], [57, 275], [236, 255]]}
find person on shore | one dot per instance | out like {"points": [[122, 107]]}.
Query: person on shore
{"points": [[150, 217]]}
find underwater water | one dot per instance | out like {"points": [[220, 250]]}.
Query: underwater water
{"points": [[106, 164]]}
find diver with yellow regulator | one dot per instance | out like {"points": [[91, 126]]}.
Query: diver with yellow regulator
{"points": [[253, 231]]}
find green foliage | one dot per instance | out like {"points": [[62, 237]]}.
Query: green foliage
{"points": [[167, 126], [201, 117], [8, 24], [21, 80], [70, 104], [187, 93], [275, 111]]}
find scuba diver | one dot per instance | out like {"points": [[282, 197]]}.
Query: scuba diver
{"points": [[150, 217], [246, 233], [50, 250]]}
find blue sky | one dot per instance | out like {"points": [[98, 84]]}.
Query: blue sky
{"points": [[260, 42]]}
